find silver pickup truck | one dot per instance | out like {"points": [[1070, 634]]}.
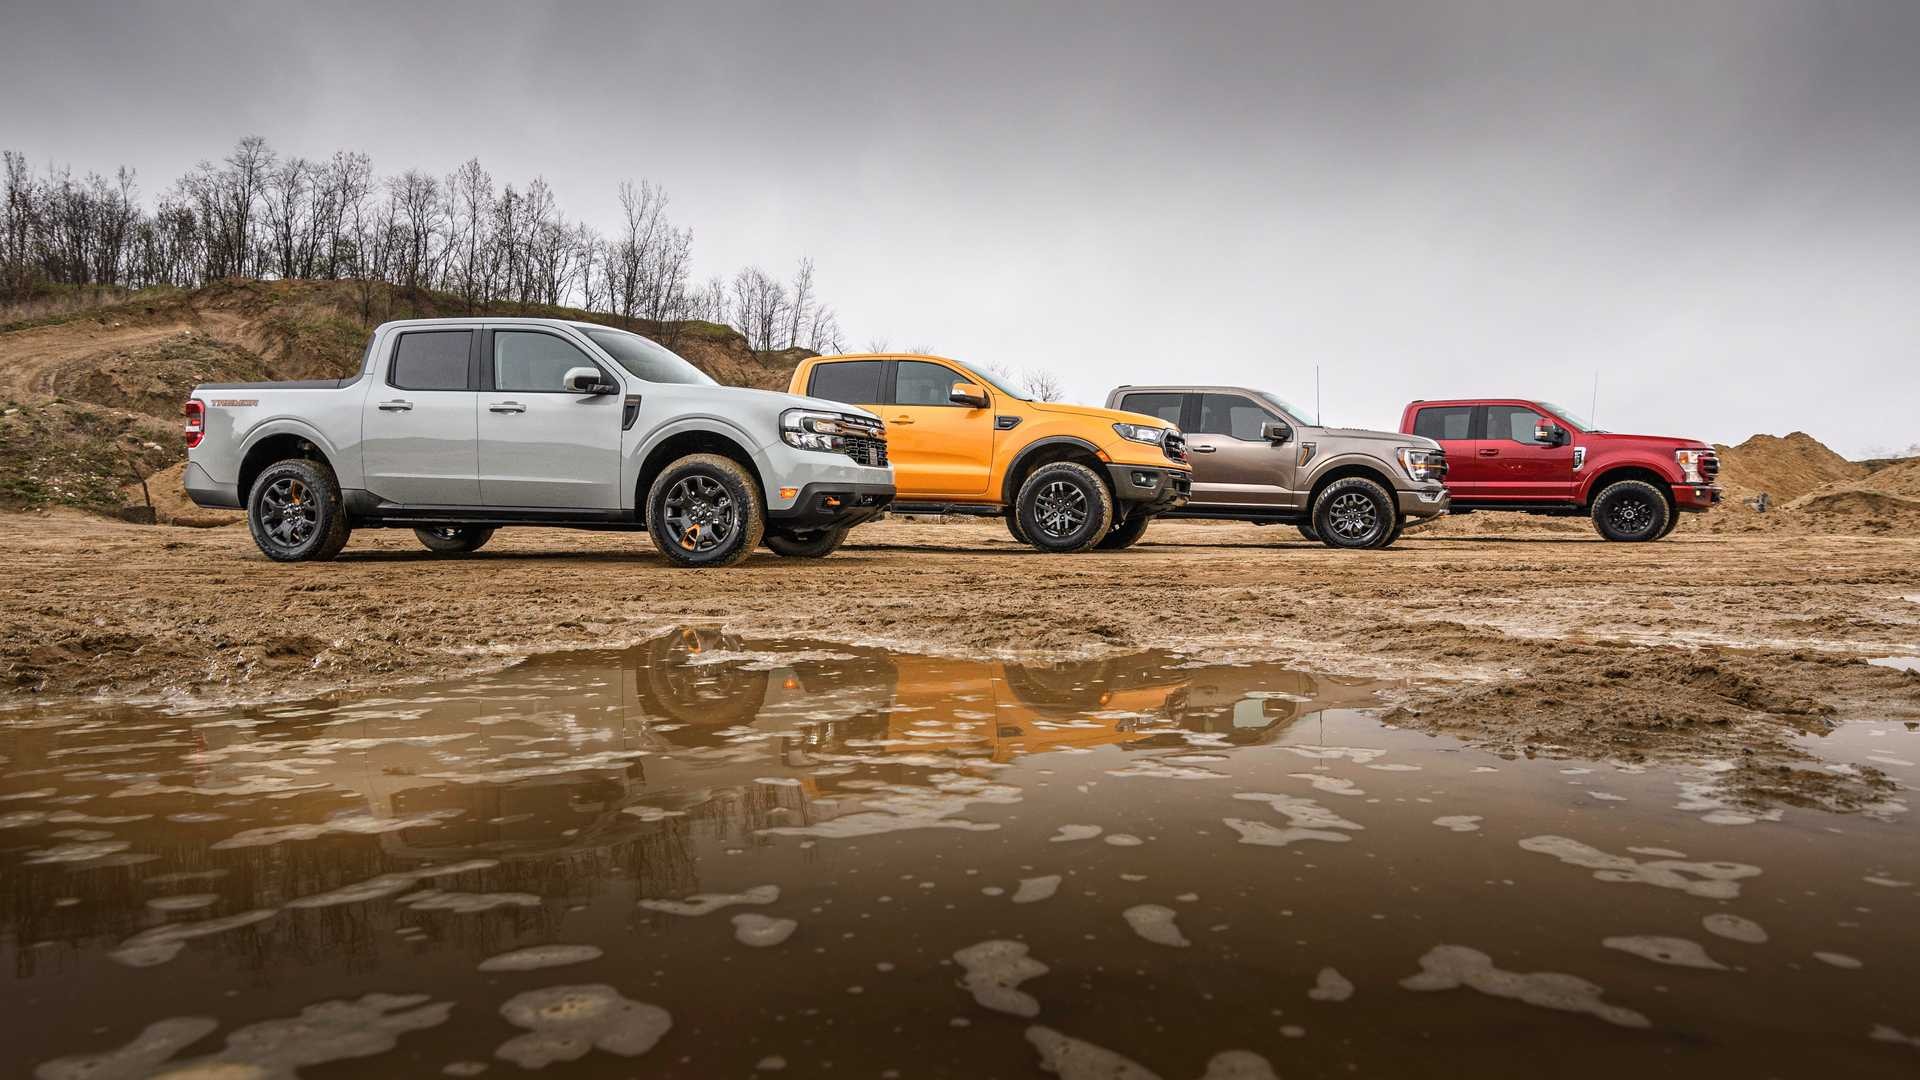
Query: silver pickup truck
{"points": [[456, 427]]}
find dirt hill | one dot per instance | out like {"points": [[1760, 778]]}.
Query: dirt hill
{"points": [[1785, 468], [92, 396]]}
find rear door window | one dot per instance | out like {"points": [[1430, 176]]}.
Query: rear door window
{"points": [[1446, 422], [1165, 406], [1231, 415], [856, 382], [921, 383], [1511, 422], [432, 360]]}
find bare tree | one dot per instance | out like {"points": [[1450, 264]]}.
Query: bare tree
{"points": [[760, 307], [1042, 385]]}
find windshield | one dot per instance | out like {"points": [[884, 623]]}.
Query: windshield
{"points": [[1286, 408], [982, 375], [1568, 415], [646, 359]]}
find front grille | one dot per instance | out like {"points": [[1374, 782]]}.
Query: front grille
{"points": [[867, 451], [1442, 454], [1709, 466], [1175, 446]]}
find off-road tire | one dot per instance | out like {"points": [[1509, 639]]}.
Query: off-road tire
{"points": [[1355, 513], [1673, 522], [454, 539], [813, 545], [729, 503], [1071, 491], [1013, 526], [1631, 511], [295, 512], [1126, 534], [1307, 531]]}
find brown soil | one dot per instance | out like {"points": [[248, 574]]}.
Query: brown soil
{"points": [[1783, 467], [1703, 647]]}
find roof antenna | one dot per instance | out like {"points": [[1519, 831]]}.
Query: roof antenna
{"points": [[1593, 406], [1318, 420]]}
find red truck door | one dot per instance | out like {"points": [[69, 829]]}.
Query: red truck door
{"points": [[1511, 465], [1452, 427]]}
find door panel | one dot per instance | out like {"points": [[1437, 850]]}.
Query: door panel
{"points": [[539, 445], [936, 449], [418, 427], [1452, 426], [1232, 464], [1515, 467]]}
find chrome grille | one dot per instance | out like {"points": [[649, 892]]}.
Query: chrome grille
{"points": [[1174, 446], [1709, 466]]}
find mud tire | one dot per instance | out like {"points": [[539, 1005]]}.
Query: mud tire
{"points": [[1307, 531], [454, 539], [813, 545], [1355, 513], [1126, 534], [1069, 489], [742, 495], [320, 532], [1631, 511], [1013, 527]]}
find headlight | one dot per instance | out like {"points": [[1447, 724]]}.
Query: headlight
{"points": [[804, 429], [1689, 462], [1422, 464], [1141, 433]]}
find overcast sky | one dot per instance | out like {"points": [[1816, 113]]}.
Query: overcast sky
{"points": [[1714, 205]]}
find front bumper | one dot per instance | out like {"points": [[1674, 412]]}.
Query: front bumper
{"points": [[205, 491], [830, 504], [1696, 498], [1423, 502], [1150, 488]]}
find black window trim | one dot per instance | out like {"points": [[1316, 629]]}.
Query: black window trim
{"points": [[885, 386], [1180, 396], [485, 359], [1255, 402], [1476, 422], [473, 359]]}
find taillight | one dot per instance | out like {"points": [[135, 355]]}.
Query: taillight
{"points": [[196, 422]]}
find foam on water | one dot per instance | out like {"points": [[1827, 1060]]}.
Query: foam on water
{"points": [[565, 1022], [1679, 952], [1076, 1059], [1714, 880], [1330, 985], [708, 903], [762, 931], [1035, 889], [1156, 924], [1070, 833], [466, 903], [536, 957], [160, 944], [1329, 785], [351, 824], [994, 972], [1121, 839], [1734, 928], [1459, 822], [159, 1041], [1839, 960], [1445, 967]]}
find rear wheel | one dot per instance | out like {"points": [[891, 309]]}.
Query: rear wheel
{"points": [[1354, 512], [810, 545], [1013, 526], [1126, 534], [1064, 507], [705, 510], [1631, 511], [295, 513], [454, 539]]}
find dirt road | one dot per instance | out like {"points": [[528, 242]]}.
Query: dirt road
{"points": [[1702, 647]]}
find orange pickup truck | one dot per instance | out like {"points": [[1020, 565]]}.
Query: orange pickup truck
{"points": [[1065, 477]]}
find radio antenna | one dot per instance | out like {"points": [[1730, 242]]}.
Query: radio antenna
{"points": [[1318, 420], [1593, 406]]}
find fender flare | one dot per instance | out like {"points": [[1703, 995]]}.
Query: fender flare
{"points": [[1317, 475], [1590, 484], [1007, 493], [290, 425], [698, 423]]}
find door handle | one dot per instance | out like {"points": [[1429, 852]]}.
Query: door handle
{"points": [[1202, 448], [901, 420], [1490, 452], [396, 406], [506, 407]]}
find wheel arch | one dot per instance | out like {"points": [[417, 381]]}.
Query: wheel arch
{"points": [[1616, 473], [696, 440], [1046, 451], [1341, 470], [282, 441]]}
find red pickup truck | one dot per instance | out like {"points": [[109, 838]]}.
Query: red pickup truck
{"points": [[1538, 458]]}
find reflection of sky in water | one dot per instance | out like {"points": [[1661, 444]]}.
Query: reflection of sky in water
{"points": [[710, 855]]}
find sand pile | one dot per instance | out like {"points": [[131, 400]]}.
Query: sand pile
{"points": [[171, 506], [1885, 500], [1783, 468]]}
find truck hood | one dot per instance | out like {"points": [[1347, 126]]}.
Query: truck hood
{"points": [[1368, 435], [1648, 442], [779, 399], [1094, 412]]}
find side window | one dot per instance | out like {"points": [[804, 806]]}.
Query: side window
{"points": [[1164, 406], [431, 360], [1513, 422], [1231, 415], [921, 383], [525, 360], [856, 382], [1448, 422]]}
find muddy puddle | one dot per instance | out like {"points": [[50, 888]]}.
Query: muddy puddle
{"points": [[711, 857]]}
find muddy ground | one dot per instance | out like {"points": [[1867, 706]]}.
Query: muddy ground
{"points": [[1700, 647]]}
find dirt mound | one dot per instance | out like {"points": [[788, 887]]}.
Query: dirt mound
{"points": [[172, 506], [150, 378], [1783, 468], [64, 453]]}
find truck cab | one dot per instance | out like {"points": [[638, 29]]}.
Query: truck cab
{"points": [[1066, 478], [1527, 456]]}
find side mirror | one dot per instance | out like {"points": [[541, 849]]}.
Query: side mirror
{"points": [[1276, 433], [1548, 433], [586, 380], [972, 395]]}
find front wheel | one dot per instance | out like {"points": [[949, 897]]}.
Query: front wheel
{"points": [[295, 512], [1126, 534], [1631, 511], [1355, 512], [1064, 507], [1013, 526], [454, 539], [705, 510], [812, 545], [1307, 531]]}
